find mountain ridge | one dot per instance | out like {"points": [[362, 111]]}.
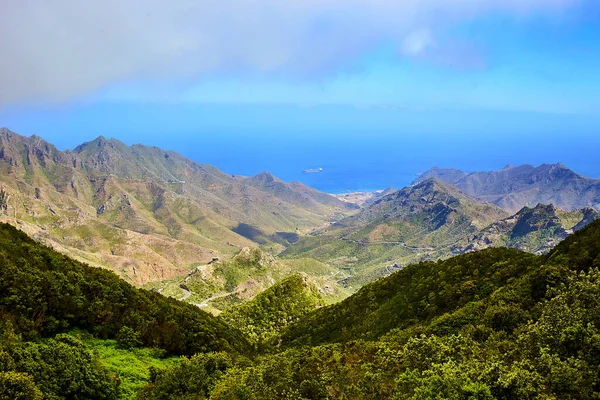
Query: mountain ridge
{"points": [[148, 213], [410, 224], [515, 187], [536, 230]]}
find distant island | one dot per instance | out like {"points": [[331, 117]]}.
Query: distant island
{"points": [[312, 170]]}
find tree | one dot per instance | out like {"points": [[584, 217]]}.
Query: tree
{"points": [[18, 386]]}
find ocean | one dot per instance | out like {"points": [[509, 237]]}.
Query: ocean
{"points": [[359, 149], [374, 162]]}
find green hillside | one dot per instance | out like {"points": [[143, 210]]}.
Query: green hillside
{"points": [[442, 296], [417, 293], [422, 222], [271, 311], [43, 293], [496, 324], [223, 283], [493, 324]]}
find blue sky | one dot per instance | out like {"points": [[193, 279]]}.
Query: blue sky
{"points": [[236, 71]]}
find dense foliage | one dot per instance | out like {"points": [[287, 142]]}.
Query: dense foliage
{"points": [[131, 366], [43, 293], [497, 324], [268, 313], [411, 296], [60, 368]]}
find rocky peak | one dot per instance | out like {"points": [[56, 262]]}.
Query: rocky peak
{"points": [[6, 132], [265, 176], [100, 143], [263, 179], [540, 217]]}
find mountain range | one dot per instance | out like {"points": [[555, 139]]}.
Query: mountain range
{"points": [[515, 187], [186, 229], [430, 220], [146, 213], [437, 290]]}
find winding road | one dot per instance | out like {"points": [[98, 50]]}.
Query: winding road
{"points": [[206, 301]]}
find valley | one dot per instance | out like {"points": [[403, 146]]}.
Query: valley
{"points": [[195, 233], [499, 322], [304, 291]]}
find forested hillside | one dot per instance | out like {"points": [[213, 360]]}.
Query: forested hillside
{"points": [[494, 324], [43, 293], [498, 324]]}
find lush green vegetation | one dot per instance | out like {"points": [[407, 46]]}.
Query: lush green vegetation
{"points": [[414, 295], [59, 368], [43, 293], [131, 365], [268, 313], [496, 324], [224, 283]]}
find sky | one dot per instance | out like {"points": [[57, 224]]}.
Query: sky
{"points": [[223, 80]]}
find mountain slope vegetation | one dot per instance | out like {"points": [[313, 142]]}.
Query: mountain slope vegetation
{"points": [[271, 311], [536, 230], [223, 283], [467, 283], [496, 324], [415, 223], [43, 293], [146, 213]]}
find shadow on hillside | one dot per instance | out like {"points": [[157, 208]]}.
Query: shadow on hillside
{"points": [[258, 236]]}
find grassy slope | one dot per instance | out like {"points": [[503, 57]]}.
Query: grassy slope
{"points": [[131, 366], [417, 223]]}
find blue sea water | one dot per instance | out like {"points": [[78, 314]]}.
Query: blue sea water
{"points": [[359, 149], [372, 162]]}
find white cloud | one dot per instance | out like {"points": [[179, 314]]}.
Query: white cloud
{"points": [[54, 50]]}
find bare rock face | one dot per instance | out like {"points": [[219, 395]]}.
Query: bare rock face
{"points": [[589, 216], [3, 200], [536, 229]]}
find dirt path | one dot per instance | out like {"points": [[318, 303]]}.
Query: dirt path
{"points": [[393, 243], [217, 296], [206, 301], [186, 295]]}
